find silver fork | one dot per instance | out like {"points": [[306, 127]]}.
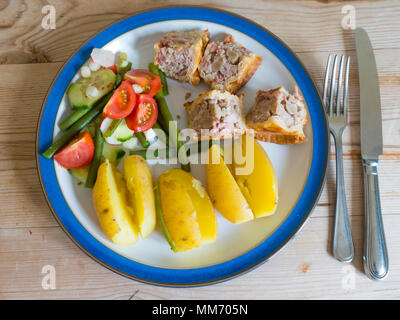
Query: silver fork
{"points": [[343, 247]]}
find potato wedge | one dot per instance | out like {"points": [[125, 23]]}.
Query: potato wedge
{"points": [[224, 192], [205, 214], [140, 193], [179, 213], [257, 179], [111, 204]]}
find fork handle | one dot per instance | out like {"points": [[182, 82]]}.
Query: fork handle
{"points": [[375, 258], [343, 247]]}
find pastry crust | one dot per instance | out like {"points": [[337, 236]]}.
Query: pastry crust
{"points": [[246, 65], [218, 111], [278, 117], [277, 137], [178, 47]]}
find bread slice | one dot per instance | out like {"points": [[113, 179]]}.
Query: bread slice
{"points": [[278, 116], [228, 65], [179, 53], [216, 115]]}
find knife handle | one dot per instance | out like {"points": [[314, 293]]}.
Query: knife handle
{"points": [[375, 258]]}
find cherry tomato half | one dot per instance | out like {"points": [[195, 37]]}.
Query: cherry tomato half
{"points": [[150, 82], [122, 102], [144, 115], [78, 153]]}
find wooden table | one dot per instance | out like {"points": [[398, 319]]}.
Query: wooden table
{"points": [[30, 238]]}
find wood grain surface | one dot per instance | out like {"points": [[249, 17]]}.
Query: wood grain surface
{"points": [[30, 238]]}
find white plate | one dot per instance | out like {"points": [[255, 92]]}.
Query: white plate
{"points": [[292, 163]]}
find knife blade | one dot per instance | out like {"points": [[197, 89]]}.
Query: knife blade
{"points": [[370, 102], [375, 256]]}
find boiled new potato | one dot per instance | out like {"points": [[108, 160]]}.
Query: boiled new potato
{"points": [[187, 215], [224, 190], [205, 214], [245, 189], [140, 193], [257, 181], [110, 198]]}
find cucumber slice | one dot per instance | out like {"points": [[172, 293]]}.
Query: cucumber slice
{"points": [[132, 144], [102, 79], [114, 154], [80, 173], [123, 133]]}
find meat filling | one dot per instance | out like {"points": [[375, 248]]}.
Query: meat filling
{"points": [[176, 62], [221, 61], [280, 106], [176, 53], [219, 116]]}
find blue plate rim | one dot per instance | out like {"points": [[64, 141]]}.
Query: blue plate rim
{"points": [[196, 276]]}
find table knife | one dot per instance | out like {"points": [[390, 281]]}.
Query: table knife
{"points": [[375, 256]]}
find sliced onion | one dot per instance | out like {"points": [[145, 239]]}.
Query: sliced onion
{"points": [[92, 92], [103, 57], [137, 88], [103, 128], [93, 66], [85, 72], [151, 135]]}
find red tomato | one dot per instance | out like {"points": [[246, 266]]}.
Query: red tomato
{"points": [[144, 115], [122, 102], [150, 82], [78, 153], [113, 68]]}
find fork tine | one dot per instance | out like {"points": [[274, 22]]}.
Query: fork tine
{"points": [[333, 84], [346, 88], [339, 88], [326, 83]]}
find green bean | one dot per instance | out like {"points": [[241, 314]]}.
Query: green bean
{"points": [[147, 154], [169, 120], [123, 70], [173, 131], [161, 123], [73, 118], [153, 68], [160, 218], [118, 80], [111, 128], [98, 152], [142, 139], [164, 82], [76, 127]]}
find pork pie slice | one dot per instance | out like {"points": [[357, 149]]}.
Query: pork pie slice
{"points": [[219, 112], [278, 116], [179, 53], [228, 65]]}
